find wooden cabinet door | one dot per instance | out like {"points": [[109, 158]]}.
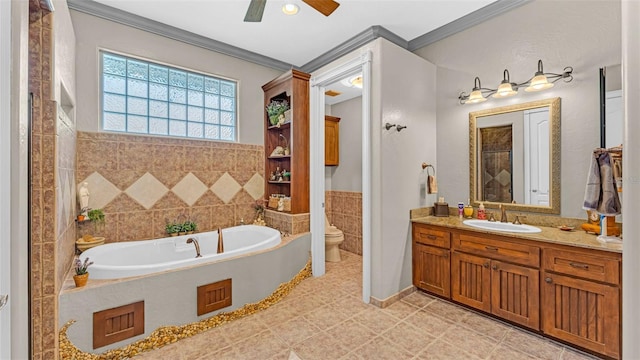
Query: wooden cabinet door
{"points": [[515, 293], [582, 312], [331, 141], [431, 269], [471, 280]]}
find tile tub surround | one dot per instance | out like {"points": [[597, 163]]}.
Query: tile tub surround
{"points": [[288, 223], [324, 318], [170, 296], [142, 181], [344, 210]]}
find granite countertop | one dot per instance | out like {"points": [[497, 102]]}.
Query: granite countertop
{"points": [[554, 235]]}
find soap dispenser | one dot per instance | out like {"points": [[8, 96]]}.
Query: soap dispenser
{"points": [[481, 213], [468, 210]]}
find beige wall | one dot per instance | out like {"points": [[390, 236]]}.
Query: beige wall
{"points": [[93, 33], [582, 34], [348, 175]]}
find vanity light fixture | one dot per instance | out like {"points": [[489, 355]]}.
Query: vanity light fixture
{"points": [[540, 81], [353, 81], [290, 9]]}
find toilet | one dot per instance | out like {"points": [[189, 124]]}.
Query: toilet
{"points": [[333, 237]]}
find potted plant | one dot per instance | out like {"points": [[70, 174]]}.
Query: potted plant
{"points": [[172, 229], [276, 109], [189, 227], [82, 275], [97, 217]]}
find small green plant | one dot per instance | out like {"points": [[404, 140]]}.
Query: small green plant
{"points": [[189, 226], [81, 267], [172, 228], [275, 109], [96, 215]]}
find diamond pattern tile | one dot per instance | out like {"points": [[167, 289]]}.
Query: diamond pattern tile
{"points": [[504, 177], [226, 188], [255, 186], [101, 190], [487, 178], [147, 190], [189, 189]]}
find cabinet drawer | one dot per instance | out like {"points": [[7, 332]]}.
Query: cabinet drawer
{"points": [[495, 248], [582, 265], [424, 234]]}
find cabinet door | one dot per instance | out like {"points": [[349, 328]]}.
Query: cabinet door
{"points": [[471, 280], [331, 141], [515, 293], [582, 312], [431, 269]]}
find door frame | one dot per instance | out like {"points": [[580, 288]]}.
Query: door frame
{"points": [[5, 176], [360, 64]]}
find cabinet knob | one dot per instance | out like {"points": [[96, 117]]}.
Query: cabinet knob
{"points": [[495, 267], [486, 265], [548, 280], [446, 256]]}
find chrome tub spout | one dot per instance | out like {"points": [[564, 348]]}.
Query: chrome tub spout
{"points": [[195, 242]]}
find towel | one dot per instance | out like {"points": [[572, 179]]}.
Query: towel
{"points": [[432, 184], [601, 193]]}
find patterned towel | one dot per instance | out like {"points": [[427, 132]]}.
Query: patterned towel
{"points": [[601, 193]]}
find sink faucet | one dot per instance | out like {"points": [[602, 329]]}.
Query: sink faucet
{"points": [[220, 242], [503, 216], [195, 242]]}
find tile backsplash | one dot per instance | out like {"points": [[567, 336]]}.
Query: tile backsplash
{"points": [[141, 182], [344, 210]]}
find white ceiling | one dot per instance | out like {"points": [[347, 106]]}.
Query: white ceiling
{"points": [[301, 38]]}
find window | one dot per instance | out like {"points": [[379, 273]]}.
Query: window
{"points": [[142, 97]]}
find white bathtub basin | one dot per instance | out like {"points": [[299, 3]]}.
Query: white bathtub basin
{"points": [[500, 226]]}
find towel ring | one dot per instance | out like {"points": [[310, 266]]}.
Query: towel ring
{"points": [[427, 166]]}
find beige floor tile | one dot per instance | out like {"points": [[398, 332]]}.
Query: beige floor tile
{"points": [[375, 319], [418, 299], [320, 347], [381, 349], [469, 341], [261, 346], [350, 334], [485, 326], [294, 331], [532, 344], [446, 310], [434, 325], [400, 309], [569, 354], [241, 329], [442, 350], [408, 337], [326, 317], [502, 352]]}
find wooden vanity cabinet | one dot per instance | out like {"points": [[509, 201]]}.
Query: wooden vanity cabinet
{"points": [[331, 140], [431, 261], [581, 299]]}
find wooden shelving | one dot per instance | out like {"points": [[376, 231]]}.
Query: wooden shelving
{"points": [[292, 86]]}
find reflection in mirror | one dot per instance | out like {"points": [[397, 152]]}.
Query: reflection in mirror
{"points": [[611, 128], [515, 156]]}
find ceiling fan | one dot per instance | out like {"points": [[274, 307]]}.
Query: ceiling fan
{"points": [[256, 8]]}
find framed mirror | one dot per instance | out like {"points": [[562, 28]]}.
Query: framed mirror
{"points": [[514, 156], [611, 120]]}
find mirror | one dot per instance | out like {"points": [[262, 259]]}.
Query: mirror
{"points": [[514, 156], [611, 127]]}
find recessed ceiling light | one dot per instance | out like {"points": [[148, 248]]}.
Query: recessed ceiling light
{"points": [[290, 9], [353, 81]]}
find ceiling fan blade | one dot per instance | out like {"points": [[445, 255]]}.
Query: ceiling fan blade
{"points": [[255, 11], [326, 7]]}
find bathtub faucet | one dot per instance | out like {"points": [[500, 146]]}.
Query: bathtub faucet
{"points": [[220, 241], [195, 242]]}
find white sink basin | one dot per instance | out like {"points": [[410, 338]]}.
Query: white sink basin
{"points": [[503, 227]]}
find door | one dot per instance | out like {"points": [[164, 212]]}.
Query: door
{"points": [[515, 293], [471, 280], [536, 156], [431, 269], [582, 312]]}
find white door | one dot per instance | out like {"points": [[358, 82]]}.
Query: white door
{"points": [[537, 156], [614, 119], [5, 183]]}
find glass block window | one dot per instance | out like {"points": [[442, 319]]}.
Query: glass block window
{"points": [[142, 97]]}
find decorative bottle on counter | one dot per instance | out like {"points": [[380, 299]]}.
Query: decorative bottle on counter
{"points": [[481, 213]]}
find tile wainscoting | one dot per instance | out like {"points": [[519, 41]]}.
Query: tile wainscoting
{"points": [[344, 209]]}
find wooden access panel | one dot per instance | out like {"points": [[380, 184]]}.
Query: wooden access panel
{"points": [[514, 293], [331, 140], [214, 296], [431, 269], [471, 280], [117, 324], [582, 312]]}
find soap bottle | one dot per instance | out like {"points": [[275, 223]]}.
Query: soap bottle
{"points": [[468, 210], [481, 213], [460, 209]]}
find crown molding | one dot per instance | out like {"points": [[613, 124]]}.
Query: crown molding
{"points": [[352, 44], [122, 17], [474, 18]]}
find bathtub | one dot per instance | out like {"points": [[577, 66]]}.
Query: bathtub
{"points": [[133, 258]]}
